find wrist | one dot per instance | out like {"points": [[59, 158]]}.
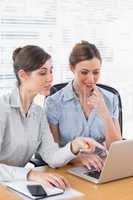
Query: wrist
{"points": [[73, 148], [31, 176]]}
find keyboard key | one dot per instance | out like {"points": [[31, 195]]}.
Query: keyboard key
{"points": [[94, 174]]}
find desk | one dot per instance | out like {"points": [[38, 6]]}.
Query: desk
{"points": [[116, 190], [6, 194], [119, 190]]}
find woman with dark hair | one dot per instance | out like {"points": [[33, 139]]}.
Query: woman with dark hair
{"points": [[23, 125], [83, 109]]}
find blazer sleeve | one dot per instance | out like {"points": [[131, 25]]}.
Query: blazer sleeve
{"points": [[12, 173], [7, 172]]}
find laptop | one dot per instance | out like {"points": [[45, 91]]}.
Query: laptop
{"points": [[118, 164]]}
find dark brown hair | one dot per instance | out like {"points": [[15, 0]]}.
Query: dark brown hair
{"points": [[28, 58], [83, 51]]}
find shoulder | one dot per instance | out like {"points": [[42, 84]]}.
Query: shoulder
{"points": [[60, 96], [38, 111], [5, 102], [56, 97], [36, 107], [4, 107]]}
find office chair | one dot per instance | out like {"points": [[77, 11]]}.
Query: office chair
{"points": [[37, 161]]}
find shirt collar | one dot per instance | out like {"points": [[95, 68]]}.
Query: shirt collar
{"points": [[68, 92], [15, 98], [15, 101]]}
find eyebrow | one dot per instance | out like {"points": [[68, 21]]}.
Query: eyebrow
{"points": [[41, 68], [90, 70]]}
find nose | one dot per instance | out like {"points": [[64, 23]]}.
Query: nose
{"points": [[90, 78], [49, 77]]}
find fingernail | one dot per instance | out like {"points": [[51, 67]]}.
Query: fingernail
{"points": [[89, 167]]}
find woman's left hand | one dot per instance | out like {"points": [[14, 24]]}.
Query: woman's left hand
{"points": [[91, 160]]}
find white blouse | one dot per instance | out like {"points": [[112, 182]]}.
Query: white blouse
{"points": [[21, 136]]}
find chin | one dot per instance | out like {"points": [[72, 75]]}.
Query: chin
{"points": [[45, 93]]}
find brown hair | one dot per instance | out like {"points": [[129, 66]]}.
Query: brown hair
{"points": [[28, 58], [83, 51]]}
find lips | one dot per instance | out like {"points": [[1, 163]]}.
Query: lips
{"points": [[47, 87], [90, 86]]}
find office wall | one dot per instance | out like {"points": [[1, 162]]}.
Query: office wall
{"points": [[56, 25]]}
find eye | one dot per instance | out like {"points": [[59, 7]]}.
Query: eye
{"points": [[96, 72], [84, 72], [43, 73]]}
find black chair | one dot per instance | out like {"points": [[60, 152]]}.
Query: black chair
{"points": [[37, 161]]}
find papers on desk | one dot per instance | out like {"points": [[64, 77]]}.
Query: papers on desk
{"points": [[52, 193], [21, 186]]}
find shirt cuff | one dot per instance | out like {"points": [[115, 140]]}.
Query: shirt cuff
{"points": [[20, 173], [13, 173], [69, 155]]}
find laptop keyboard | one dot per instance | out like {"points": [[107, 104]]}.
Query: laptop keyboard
{"points": [[94, 174]]}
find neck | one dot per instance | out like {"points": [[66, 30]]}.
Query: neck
{"points": [[75, 89], [26, 97]]}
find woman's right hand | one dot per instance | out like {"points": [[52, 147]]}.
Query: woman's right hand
{"points": [[85, 144], [91, 160], [49, 179]]}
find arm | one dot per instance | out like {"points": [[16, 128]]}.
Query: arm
{"points": [[112, 129], [111, 124], [74, 147], [55, 132], [49, 150], [8, 172], [12, 173], [53, 118]]}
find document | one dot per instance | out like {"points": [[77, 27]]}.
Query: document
{"points": [[53, 193], [21, 187], [68, 194]]}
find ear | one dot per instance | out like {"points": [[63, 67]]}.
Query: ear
{"points": [[72, 68], [23, 75]]}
